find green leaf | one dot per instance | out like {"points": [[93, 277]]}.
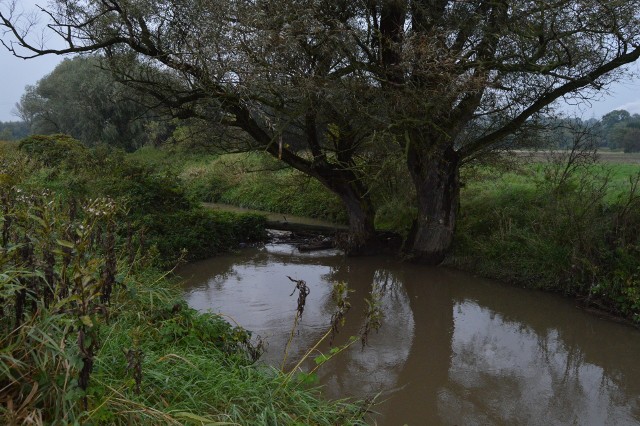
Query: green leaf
{"points": [[86, 320], [66, 300], [37, 219], [64, 243], [201, 419], [307, 378], [320, 359]]}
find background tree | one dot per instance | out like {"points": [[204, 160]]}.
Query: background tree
{"points": [[619, 130], [631, 139], [82, 99], [610, 125], [442, 81], [13, 130]]}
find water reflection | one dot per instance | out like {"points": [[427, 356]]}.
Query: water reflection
{"points": [[522, 375], [453, 349], [374, 369]]}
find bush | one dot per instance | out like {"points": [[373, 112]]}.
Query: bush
{"points": [[55, 150], [201, 233], [156, 209]]}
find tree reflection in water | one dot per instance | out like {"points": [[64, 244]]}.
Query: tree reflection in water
{"points": [[453, 349]]}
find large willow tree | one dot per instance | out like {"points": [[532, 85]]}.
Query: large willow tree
{"points": [[441, 81]]}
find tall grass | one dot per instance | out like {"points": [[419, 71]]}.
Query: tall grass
{"points": [[91, 333], [252, 180], [196, 369], [577, 233], [153, 200]]}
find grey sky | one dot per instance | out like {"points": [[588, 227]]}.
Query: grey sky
{"points": [[16, 73]]}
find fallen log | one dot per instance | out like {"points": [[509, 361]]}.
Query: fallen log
{"points": [[325, 244]]}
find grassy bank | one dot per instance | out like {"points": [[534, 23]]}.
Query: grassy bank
{"points": [[153, 201], [576, 233], [91, 332], [258, 181], [156, 362], [568, 225], [251, 180], [153, 361]]}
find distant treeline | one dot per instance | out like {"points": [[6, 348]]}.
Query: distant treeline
{"points": [[617, 130], [13, 130], [620, 130]]}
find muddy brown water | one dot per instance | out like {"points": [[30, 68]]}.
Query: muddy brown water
{"points": [[453, 349]]}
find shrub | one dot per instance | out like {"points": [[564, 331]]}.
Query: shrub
{"points": [[55, 150], [201, 233], [570, 236]]}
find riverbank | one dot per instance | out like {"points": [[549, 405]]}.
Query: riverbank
{"points": [[452, 348], [92, 331], [574, 233], [554, 222], [283, 222]]}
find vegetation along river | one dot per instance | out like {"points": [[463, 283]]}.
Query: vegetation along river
{"points": [[453, 349]]}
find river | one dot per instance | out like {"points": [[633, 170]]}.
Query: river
{"points": [[453, 349]]}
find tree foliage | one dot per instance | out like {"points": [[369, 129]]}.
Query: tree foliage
{"points": [[441, 82], [13, 130], [83, 99], [621, 130]]}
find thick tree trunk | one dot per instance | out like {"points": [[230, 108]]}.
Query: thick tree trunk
{"points": [[337, 177], [435, 174], [361, 238]]}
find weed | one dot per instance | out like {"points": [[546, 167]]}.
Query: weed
{"points": [[87, 337], [340, 295], [303, 292], [568, 224]]}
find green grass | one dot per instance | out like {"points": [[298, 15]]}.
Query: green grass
{"points": [[5, 145], [251, 180], [195, 370], [579, 236], [92, 333], [285, 191], [154, 200], [489, 181], [169, 159], [194, 367]]}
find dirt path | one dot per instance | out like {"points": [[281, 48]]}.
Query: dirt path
{"points": [[284, 222]]}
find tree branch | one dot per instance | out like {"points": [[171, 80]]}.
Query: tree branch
{"points": [[545, 100]]}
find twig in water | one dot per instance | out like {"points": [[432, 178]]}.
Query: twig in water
{"points": [[303, 292]]}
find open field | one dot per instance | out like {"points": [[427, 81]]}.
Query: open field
{"points": [[604, 156], [619, 157]]}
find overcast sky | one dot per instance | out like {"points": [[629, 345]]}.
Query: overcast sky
{"points": [[16, 73]]}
